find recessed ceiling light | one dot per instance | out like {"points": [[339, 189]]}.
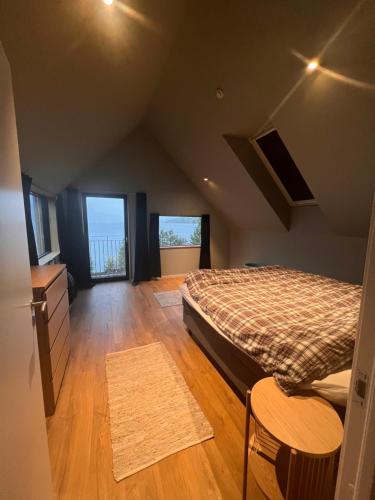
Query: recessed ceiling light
{"points": [[219, 93], [312, 66], [205, 179], [108, 2]]}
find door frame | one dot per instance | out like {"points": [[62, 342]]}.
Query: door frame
{"points": [[124, 197], [356, 469]]}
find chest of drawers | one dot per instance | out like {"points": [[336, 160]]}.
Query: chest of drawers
{"points": [[53, 330]]}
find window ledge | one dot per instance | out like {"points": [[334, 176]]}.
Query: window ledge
{"points": [[47, 258], [179, 246]]}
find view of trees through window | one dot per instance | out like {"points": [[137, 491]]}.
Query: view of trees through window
{"points": [[114, 264], [176, 231]]}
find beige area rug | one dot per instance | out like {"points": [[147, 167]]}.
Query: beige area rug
{"points": [[166, 299], [152, 411]]}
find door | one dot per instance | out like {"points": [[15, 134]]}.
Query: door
{"points": [[24, 460], [356, 479], [106, 227]]}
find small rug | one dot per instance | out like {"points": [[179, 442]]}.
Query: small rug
{"points": [[167, 299], [152, 411]]}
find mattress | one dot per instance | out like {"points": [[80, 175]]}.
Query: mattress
{"points": [[297, 326], [334, 387]]}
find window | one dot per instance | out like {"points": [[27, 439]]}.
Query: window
{"points": [[176, 231], [281, 166], [40, 220], [106, 222]]}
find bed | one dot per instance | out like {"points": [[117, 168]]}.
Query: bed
{"points": [[296, 326]]}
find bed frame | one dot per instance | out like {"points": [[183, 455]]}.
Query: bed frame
{"points": [[236, 367]]}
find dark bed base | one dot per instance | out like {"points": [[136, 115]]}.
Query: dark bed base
{"points": [[237, 368]]}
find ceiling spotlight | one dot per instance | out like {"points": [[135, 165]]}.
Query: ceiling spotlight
{"points": [[205, 179], [312, 66], [219, 93], [108, 2]]}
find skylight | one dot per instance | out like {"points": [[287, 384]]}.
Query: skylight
{"points": [[282, 167]]}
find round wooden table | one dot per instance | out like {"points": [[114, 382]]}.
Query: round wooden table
{"points": [[302, 432]]}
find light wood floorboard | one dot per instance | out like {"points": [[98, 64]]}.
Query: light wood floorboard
{"points": [[113, 317]]}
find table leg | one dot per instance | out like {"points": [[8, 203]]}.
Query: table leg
{"points": [[246, 445]]}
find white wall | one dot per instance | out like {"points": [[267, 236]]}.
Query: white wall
{"points": [[139, 164], [179, 260], [310, 245]]}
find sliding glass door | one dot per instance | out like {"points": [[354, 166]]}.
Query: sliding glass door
{"points": [[106, 223]]}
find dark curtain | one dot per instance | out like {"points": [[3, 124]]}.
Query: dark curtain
{"points": [[74, 250], [205, 256], [26, 187], [141, 254], [155, 267]]}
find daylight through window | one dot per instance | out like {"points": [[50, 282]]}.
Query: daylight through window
{"points": [[40, 221], [177, 231]]}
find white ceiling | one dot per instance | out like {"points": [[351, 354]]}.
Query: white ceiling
{"points": [[85, 75], [329, 127], [245, 48]]}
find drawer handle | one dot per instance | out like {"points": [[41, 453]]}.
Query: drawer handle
{"points": [[42, 304]]}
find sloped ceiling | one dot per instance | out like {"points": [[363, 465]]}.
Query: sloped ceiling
{"points": [[245, 48], [329, 127], [83, 76]]}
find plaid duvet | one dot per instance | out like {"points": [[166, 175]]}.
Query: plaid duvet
{"points": [[298, 327]]}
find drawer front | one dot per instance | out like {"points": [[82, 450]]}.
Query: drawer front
{"points": [[60, 370], [54, 324], [59, 343], [54, 293]]}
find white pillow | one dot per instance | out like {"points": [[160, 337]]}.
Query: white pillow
{"points": [[335, 387]]}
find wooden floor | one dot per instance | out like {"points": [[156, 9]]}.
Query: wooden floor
{"points": [[113, 317]]}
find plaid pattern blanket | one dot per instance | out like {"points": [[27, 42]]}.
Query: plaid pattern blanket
{"points": [[298, 327]]}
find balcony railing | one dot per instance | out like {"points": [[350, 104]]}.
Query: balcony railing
{"points": [[107, 257]]}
